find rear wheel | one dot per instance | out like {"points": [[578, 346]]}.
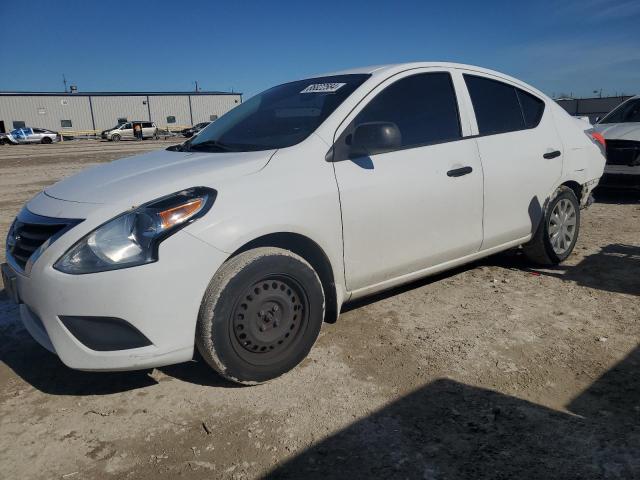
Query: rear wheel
{"points": [[115, 137], [557, 233], [45, 140], [260, 315]]}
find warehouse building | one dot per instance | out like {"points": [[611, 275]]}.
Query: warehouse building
{"points": [[93, 112]]}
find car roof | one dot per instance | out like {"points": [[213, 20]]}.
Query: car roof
{"points": [[391, 69]]}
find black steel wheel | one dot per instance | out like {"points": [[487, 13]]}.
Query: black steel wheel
{"points": [[260, 315], [46, 140]]}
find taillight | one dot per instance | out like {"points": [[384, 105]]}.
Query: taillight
{"points": [[598, 139]]}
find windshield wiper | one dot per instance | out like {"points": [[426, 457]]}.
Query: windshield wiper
{"points": [[210, 143]]}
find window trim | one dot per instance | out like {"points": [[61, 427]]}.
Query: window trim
{"points": [[335, 153], [465, 73]]}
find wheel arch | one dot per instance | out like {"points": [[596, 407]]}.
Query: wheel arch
{"points": [[312, 253], [575, 187]]}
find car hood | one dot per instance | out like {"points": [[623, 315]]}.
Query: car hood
{"points": [[619, 131], [142, 178]]}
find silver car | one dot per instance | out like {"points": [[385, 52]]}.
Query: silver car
{"points": [[125, 131], [29, 135]]}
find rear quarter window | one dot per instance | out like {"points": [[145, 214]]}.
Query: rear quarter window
{"points": [[532, 108], [496, 105]]}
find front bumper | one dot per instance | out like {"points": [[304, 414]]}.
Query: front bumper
{"points": [[621, 176], [160, 300]]}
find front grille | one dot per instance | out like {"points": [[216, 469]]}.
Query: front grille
{"points": [[623, 152], [29, 232]]}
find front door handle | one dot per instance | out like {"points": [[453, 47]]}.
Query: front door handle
{"points": [[554, 154], [458, 172]]}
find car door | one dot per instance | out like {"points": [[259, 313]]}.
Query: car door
{"points": [[126, 131], [37, 136], [419, 205], [521, 154]]}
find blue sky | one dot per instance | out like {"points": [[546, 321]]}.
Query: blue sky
{"points": [[571, 46]]}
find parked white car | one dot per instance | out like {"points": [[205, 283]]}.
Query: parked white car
{"points": [[244, 239], [621, 129]]}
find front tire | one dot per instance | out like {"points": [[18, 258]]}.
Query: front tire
{"points": [[115, 138], [260, 315], [558, 231]]}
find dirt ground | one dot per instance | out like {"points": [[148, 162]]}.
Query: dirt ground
{"points": [[494, 370]]}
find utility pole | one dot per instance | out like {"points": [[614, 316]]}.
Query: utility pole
{"points": [[64, 80]]}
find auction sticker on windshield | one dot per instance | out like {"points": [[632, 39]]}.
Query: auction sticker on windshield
{"points": [[323, 87]]}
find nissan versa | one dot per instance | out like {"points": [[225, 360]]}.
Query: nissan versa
{"points": [[244, 239]]}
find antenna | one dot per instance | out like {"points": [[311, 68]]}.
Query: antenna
{"points": [[64, 80]]}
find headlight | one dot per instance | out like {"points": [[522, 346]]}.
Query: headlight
{"points": [[132, 238]]}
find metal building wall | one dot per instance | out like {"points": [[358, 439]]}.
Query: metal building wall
{"points": [[170, 105], [46, 111], [107, 109], [203, 106]]}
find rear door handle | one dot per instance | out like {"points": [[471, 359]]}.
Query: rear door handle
{"points": [[554, 154], [458, 172]]}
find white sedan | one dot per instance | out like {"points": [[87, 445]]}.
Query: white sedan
{"points": [[243, 240]]}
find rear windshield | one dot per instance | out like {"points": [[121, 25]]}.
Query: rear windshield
{"points": [[279, 117]]}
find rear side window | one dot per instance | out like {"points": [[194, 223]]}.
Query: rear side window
{"points": [[496, 105], [423, 106], [532, 108], [147, 125]]}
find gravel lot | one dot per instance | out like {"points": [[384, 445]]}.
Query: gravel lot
{"points": [[494, 370]]}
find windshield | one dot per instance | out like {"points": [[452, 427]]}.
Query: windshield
{"points": [[277, 118]]}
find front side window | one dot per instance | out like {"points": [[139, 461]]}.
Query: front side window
{"points": [[125, 126], [626, 113], [279, 117], [423, 107], [495, 104]]}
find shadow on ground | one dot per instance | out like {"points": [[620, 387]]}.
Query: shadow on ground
{"points": [[614, 268], [448, 430]]}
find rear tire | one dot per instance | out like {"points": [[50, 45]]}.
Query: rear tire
{"points": [[260, 315], [46, 140], [558, 231]]}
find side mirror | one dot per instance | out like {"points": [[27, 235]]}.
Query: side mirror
{"points": [[374, 137]]}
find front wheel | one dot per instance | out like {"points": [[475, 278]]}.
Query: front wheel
{"points": [[557, 233], [115, 138], [260, 315]]}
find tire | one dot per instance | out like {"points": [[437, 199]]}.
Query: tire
{"points": [[46, 141], [547, 247], [115, 138], [260, 315]]}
